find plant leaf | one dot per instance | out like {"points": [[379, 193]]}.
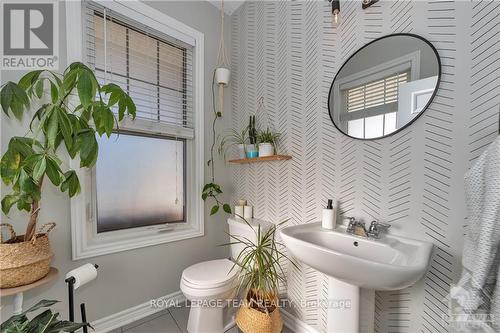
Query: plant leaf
{"points": [[9, 166], [53, 171], [227, 208], [41, 304], [8, 201], [71, 183], [39, 168], [88, 148], [27, 80], [39, 88], [85, 87], [54, 92], [53, 128], [214, 210], [15, 98]]}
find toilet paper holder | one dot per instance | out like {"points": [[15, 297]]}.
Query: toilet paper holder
{"points": [[71, 280]]}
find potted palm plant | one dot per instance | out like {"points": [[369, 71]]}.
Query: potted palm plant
{"points": [[259, 276], [71, 109], [268, 142]]}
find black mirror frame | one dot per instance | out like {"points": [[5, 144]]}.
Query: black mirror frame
{"points": [[421, 112]]}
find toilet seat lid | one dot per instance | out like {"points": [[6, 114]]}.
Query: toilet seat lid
{"points": [[211, 273]]}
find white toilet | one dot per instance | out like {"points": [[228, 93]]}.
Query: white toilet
{"points": [[209, 284]]}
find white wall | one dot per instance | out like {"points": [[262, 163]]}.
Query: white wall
{"points": [[132, 277], [289, 53]]}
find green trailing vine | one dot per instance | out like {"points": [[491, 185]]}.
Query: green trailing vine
{"points": [[212, 191]]}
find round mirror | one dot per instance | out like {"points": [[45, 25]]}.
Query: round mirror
{"points": [[384, 86]]}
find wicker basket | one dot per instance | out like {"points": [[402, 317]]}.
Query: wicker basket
{"points": [[24, 262], [250, 320]]}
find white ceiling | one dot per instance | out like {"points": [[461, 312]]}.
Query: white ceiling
{"points": [[230, 6]]}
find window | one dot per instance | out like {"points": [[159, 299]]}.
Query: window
{"points": [[147, 189], [371, 107], [144, 189]]}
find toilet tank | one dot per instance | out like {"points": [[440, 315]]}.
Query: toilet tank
{"points": [[239, 228]]}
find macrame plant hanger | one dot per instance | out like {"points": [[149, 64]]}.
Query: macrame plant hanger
{"points": [[222, 72]]}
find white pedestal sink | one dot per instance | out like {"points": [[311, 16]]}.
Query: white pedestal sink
{"points": [[390, 263]]}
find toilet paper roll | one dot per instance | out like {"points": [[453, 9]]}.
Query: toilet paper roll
{"points": [[248, 212], [83, 274], [238, 211], [242, 202]]}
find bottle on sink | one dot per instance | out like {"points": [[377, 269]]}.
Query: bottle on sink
{"points": [[328, 220]]}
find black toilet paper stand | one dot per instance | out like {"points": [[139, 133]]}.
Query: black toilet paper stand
{"points": [[71, 300]]}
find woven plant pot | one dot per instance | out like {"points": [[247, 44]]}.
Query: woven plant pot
{"points": [[24, 262], [250, 320]]}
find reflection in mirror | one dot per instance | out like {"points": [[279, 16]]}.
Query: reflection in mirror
{"points": [[384, 86]]}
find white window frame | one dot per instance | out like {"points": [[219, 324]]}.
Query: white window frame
{"points": [[86, 242], [409, 61]]}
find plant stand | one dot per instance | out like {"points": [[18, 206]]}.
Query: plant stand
{"points": [[343, 307], [18, 291]]}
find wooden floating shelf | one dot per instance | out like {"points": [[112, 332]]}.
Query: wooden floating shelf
{"points": [[261, 159]]}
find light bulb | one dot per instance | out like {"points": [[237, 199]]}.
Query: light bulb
{"points": [[336, 17]]}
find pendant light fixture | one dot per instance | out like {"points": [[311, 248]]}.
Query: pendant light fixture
{"points": [[222, 72], [335, 11]]}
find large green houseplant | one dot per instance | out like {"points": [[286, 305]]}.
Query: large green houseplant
{"points": [[259, 276], [69, 110], [44, 322]]}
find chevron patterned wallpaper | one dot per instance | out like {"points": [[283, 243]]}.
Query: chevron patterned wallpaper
{"points": [[287, 54]]}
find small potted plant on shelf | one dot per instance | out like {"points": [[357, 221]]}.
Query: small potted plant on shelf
{"points": [[234, 138], [71, 109], [251, 149], [268, 142], [259, 276], [45, 322]]}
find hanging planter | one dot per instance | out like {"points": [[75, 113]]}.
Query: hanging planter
{"points": [[222, 76]]}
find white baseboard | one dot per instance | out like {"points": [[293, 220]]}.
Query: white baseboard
{"points": [[296, 325], [143, 310], [135, 313]]}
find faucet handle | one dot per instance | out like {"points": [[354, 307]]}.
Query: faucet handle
{"points": [[376, 228], [381, 226], [352, 223]]}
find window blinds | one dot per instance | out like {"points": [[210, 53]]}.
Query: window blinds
{"points": [[155, 70], [376, 93]]}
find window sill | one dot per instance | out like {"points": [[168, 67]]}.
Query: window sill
{"points": [[94, 245]]}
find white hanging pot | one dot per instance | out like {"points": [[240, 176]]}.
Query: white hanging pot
{"points": [[266, 149], [222, 76]]}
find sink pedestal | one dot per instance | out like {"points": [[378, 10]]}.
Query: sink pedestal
{"points": [[343, 307]]}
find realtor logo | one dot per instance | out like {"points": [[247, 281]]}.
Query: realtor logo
{"points": [[29, 35]]}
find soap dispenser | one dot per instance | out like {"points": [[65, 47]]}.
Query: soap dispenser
{"points": [[328, 220]]}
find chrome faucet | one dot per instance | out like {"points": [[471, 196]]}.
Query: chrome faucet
{"points": [[376, 229], [358, 228]]}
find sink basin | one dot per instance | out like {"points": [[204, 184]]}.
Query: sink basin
{"points": [[389, 263]]}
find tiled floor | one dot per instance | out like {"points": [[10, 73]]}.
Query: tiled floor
{"points": [[173, 320]]}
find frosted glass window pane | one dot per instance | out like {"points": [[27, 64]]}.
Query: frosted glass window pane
{"points": [[355, 128], [374, 126], [390, 123], [139, 182]]}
